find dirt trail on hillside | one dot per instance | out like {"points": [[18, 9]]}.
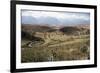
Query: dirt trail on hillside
{"points": [[69, 42]]}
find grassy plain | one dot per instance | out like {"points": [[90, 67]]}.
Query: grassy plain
{"points": [[55, 45]]}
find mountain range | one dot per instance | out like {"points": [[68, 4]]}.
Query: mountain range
{"points": [[52, 21]]}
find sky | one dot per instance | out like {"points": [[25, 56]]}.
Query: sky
{"points": [[52, 18]]}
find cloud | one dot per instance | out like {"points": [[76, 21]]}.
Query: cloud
{"points": [[70, 17]]}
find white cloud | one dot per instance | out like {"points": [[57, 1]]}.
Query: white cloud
{"points": [[61, 16], [57, 15], [42, 14]]}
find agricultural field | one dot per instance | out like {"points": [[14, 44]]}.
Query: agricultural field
{"points": [[44, 43]]}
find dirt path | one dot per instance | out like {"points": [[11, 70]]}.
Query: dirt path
{"points": [[69, 42]]}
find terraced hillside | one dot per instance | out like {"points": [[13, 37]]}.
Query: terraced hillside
{"points": [[44, 43]]}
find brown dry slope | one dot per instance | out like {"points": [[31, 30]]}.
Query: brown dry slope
{"points": [[50, 44]]}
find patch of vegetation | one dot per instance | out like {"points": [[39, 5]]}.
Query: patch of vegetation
{"points": [[55, 45]]}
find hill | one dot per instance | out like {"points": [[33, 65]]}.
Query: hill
{"points": [[36, 28], [45, 43], [75, 30]]}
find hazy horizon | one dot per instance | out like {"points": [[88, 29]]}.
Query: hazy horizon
{"points": [[51, 18]]}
